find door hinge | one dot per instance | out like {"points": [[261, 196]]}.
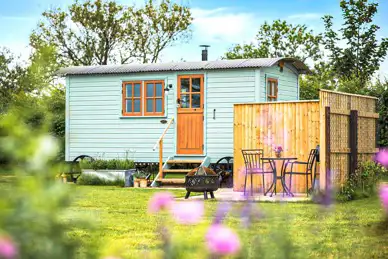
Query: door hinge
{"points": [[203, 146], [203, 117]]}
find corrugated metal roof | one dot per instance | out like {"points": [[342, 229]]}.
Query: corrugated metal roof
{"points": [[182, 66]]}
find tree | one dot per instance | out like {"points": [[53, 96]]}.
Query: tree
{"points": [[362, 55], [11, 78], [280, 39], [321, 78], [102, 31]]}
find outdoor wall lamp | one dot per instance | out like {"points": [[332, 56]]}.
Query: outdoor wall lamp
{"points": [[167, 89]]}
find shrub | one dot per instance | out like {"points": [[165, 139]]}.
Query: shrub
{"points": [[363, 183], [112, 164], [140, 175], [89, 179]]}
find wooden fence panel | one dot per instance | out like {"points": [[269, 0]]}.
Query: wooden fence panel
{"points": [[294, 125], [341, 105]]}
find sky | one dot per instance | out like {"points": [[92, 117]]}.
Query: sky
{"points": [[220, 24]]}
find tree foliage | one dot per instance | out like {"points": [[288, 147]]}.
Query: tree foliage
{"points": [[362, 55], [320, 78], [98, 32], [280, 39]]}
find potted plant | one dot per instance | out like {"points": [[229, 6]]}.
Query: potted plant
{"points": [[278, 150], [140, 179]]}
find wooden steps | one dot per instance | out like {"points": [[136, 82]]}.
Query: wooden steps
{"points": [[184, 161], [172, 180], [177, 171]]}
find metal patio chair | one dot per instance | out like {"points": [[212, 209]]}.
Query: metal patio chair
{"points": [[310, 169], [254, 165]]}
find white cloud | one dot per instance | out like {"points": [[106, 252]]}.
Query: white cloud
{"points": [[305, 16], [223, 25]]}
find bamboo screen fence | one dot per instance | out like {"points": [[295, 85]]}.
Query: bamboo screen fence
{"points": [[300, 126], [348, 134]]}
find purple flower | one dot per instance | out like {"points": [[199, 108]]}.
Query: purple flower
{"points": [[325, 198], [278, 148], [221, 240], [188, 212], [249, 214], [7, 248], [382, 157], [222, 210], [384, 196], [160, 200]]}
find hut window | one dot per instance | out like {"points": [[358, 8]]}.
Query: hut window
{"points": [[154, 98], [143, 98], [132, 98], [272, 89]]}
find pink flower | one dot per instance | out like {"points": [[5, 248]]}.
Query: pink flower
{"points": [[222, 240], [189, 212], [278, 148], [7, 248], [384, 196], [382, 157], [160, 200]]}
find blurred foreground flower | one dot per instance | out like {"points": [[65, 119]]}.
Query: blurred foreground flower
{"points": [[46, 148], [249, 214], [188, 212], [222, 210], [221, 240], [7, 248], [382, 157], [384, 196], [160, 200]]}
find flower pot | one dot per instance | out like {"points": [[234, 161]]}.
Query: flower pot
{"points": [[143, 183], [278, 154], [136, 183]]}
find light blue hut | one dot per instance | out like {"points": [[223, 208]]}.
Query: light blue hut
{"points": [[188, 106]]}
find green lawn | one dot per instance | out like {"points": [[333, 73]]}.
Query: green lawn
{"points": [[352, 230], [122, 226]]}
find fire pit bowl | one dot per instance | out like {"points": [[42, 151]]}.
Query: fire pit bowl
{"points": [[202, 179]]}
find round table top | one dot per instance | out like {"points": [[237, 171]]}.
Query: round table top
{"points": [[279, 158]]}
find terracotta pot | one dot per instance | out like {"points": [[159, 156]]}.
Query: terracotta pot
{"points": [[136, 183], [143, 183]]}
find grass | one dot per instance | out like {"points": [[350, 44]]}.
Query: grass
{"points": [[351, 230]]}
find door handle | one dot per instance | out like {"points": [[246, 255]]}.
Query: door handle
{"points": [[214, 114], [178, 101]]}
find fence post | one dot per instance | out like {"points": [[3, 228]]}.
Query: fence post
{"points": [[353, 140], [327, 144]]}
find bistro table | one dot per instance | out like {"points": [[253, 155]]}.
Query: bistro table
{"points": [[272, 162]]}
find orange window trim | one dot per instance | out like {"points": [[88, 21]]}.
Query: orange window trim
{"points": [[133, 98], [272, 96], [190, 93], [154, 98]]}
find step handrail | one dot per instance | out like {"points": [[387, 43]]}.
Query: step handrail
{"points": [[160, 143]]}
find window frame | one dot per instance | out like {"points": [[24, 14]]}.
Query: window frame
{"points": [[154, 113], [272, 97], [143, 99], [124, 98]]}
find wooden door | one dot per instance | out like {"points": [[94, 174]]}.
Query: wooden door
{"points": [[190, 119]]}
